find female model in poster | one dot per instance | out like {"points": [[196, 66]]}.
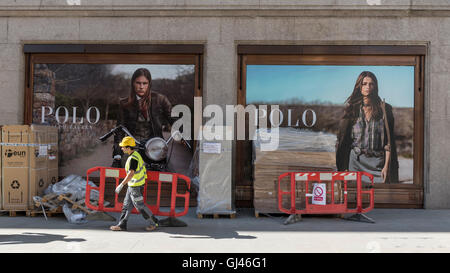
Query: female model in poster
{"points": [[365, 141]]}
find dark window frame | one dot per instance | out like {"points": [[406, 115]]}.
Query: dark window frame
{"points": [[109, 53], [411, 195]]}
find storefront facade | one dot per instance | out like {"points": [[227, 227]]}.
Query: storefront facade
{"points": [[220, 41]]}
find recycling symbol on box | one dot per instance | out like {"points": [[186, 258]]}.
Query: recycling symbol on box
{"points": [[15, 184]]}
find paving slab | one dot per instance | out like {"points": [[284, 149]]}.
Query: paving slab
{"points": [[395, 231]]}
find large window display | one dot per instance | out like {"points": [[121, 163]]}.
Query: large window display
{"points": [[337, 113], [85, 101], [344, 109]]}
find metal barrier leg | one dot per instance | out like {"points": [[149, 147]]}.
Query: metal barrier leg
{"points": [[360, 217], [293, 218]]}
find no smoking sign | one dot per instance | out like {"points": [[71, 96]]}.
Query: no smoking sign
{"points": [[319, 194]]}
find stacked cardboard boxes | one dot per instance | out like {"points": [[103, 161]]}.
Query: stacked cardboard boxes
{"points": [[26, 170]]}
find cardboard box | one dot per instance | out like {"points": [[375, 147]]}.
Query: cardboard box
{"points": [[15, 194], [15, 166], [39, 147], [38, 183], [52, 163], [53, 176], [29, 164]]}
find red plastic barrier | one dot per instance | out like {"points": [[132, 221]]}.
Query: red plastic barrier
{"points": [[322, 177], [152, 177]]}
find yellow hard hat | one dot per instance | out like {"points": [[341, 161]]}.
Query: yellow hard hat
{"points": [[127, 141]]}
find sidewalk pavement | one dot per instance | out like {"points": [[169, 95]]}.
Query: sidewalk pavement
{"points": [[395, 231]]}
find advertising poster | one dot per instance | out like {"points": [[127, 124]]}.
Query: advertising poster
{"points": [[83, 100], [321, 111]]}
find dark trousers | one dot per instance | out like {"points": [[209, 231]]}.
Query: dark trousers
{"points": [[134, 198]]}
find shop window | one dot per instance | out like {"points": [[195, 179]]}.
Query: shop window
{"points": [[78, 89], [311, 86]]}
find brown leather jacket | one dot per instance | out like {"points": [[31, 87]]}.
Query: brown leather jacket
{"points": [[344, 145], [159, 113]]}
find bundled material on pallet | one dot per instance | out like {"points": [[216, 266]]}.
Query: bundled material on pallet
{"points": [[74, 185], [215, 195], [287, 150], [69, 195], [193, 172]]}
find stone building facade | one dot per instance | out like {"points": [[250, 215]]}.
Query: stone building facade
{"points": [[222, 25]]}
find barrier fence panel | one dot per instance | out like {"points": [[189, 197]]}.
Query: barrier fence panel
{"points": [[119, 174], [322, 192]]}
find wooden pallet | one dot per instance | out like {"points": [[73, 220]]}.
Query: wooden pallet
{"points": [[14, 213], [53, 202], [49, 202], [216, 215], [51, 213], [33, 213], [75, 204]]}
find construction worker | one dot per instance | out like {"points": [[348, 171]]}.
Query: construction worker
{"points": [[136, 176]]}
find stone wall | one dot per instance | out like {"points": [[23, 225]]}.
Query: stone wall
{"points": [[80, 140]]}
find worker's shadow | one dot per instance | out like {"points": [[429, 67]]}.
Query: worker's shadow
{"points": [[34, 238], [177, 233], [200, 231]]}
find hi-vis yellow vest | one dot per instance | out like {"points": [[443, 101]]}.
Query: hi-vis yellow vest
{"points": [[140, 175]]}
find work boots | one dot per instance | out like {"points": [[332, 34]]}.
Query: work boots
{"points": [[151, 227], [119, 227]]}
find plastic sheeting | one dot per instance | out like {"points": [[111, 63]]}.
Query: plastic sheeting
{"points": [[215, 183], [192, 172], [74, 216], [76, 186]]}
